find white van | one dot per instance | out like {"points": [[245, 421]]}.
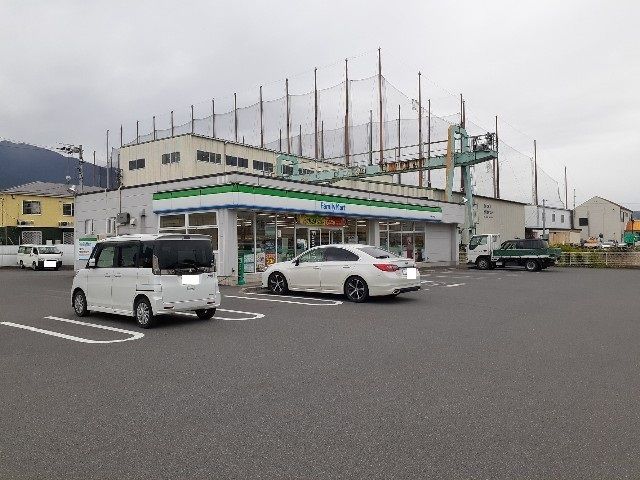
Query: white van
{"points": [[148, 275], [39, 257]]}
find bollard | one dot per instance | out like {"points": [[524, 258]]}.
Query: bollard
{"points": [[241, 280]]}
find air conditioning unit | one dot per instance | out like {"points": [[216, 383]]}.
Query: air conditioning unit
{"points": [[25, 222], [65, 224]]}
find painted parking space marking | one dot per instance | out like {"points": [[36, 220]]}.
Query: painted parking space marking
{"points": [[131, 334], [320, 302], [253, 315], [454, 285]]}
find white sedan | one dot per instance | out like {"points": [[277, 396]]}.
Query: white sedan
{"points": [[357, 271]]}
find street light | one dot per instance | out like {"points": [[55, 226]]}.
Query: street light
{"points": [[70, 150]]}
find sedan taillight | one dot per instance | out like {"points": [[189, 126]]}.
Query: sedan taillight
{"points": [[386, 267]]}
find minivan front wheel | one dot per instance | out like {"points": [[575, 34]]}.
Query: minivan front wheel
{"points": [[143, 313], [80, 303], [206, 314]]}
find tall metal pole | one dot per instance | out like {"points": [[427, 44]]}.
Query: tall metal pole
{"points": [[137, 131], [213, 118], [315, 113], [380, 106], [94, 169], [421, 160], [370, 137], [399, 153], [172, 123], [81, 170], [154, 127], [535, 173], [286, 91], [193, 122], [235, 117], [322, 139], [462, 124], [346, 112], [280, 141], [121, 143], [429, 141], [544, 216], [566, 190], [497, 161], [108, 163], [261, 119], [300, 141]]}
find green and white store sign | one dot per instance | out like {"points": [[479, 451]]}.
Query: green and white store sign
{"points": [[240, 196]]}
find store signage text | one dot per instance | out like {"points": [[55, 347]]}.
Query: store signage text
{"points": [[318, 221], [332, 207]]}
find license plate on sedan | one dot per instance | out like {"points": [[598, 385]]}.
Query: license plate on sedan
{"points": [[410, 273]]}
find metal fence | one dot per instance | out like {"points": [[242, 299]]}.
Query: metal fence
{"points": [[600, 259]]}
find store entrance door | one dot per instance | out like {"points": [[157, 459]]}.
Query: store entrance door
{"points": [[312, 237]]}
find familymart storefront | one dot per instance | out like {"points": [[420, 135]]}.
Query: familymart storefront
{"points": [[261, 225]]}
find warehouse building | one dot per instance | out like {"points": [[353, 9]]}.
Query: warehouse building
{"points": [[196, 184], [602, 218]]}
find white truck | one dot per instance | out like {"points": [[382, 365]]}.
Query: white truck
{"points": [[486, 252]]}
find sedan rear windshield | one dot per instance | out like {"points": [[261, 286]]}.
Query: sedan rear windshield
{"points": [[179, 256], [376, 252]]}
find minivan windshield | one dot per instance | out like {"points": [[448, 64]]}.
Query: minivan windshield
{"points": [[184, 256], [48, 250]]}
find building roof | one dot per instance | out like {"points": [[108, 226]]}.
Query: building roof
{"points": [[606, 200], [46, 189]]}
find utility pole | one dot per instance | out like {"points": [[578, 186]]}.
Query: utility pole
{"points": [[213, 118], [193, 121], [370, 137], [286, 91], [535, 172], [497, 163], [108, 164], [566, 190], [399, 153], [235, 117], [380, 105], [544, 216], [94, 168], [429, 141], [420, 156]]}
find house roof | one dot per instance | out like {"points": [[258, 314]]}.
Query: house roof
{"points": [[606, 200], [46, 189]]}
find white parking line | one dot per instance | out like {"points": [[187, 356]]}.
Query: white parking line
{"points": [[133, 335], [454, 285], [254, 315], [259, 296]]}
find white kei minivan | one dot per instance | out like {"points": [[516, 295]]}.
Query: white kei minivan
{"points": [[148, 275], [39, 257]]}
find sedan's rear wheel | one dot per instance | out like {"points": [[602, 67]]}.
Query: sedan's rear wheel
{"points": [[356, 289], [277, 283]]}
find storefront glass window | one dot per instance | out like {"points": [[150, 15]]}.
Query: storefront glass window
{"points": [[172, 221], [246, 245], [202, 219], [286, 234], [265, 240]]}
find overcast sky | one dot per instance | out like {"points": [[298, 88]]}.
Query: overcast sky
{"points": [[563, 72]]}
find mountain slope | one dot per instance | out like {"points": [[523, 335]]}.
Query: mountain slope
{"points": [[22, 163]]}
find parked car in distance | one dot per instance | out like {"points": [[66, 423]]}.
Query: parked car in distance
{"points": [[39, 257], [357, 271], [486, 252], [148, 275], [609, 244]]}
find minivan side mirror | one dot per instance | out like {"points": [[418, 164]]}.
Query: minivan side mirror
{"points": [[296, 262], [91, 263]]}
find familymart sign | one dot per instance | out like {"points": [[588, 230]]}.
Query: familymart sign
{"points": [[239, 196]]}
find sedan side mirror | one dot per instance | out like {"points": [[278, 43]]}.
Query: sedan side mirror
{"points": [[296, 262], [91, 263]]}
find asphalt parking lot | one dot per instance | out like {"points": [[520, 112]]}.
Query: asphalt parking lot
{"points": [[494, 374]]}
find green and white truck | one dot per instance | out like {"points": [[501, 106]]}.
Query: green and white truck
{"points": [[486, 252]]}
